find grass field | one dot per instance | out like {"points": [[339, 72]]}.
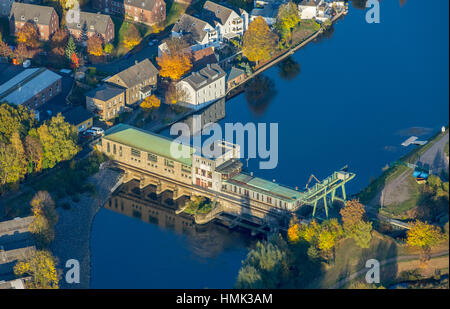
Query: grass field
{"points": [[120, 28], [174, 11]]}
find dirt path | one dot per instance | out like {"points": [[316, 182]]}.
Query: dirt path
{"points": [[342, 282]]}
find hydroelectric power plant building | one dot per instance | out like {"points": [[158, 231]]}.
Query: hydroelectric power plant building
{"points": [[148, 158]]}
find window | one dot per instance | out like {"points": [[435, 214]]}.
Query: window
{"points": [[152, 157], [108, 147], [135, 152], [120, 150], [168, 163], [114, 149]]}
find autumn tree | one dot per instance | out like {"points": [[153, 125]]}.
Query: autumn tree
{"points": [[150, 102], [355, 223], [288, 17], [44, 218], [258, 42], [95, 45], [175, 94], [33, 152], [5, 50], [108, 48], [15, 119], [21, 53], [41, 267], [424, 236], [58, 140], [28, 35], [131, 38]]}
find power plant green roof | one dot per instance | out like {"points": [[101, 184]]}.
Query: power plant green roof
{"points": [[146, 141]]}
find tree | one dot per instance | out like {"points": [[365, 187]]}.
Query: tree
{"points": [[352, 214], [355, 223], [259, 92], [59, 38], [174, 66], [70, 48], [58, 140], [14, 119], [5, 50], [28, 35], [150, 102], [175, 94], [21, 53], [266, 265], [95, 45], [424, 236], [258, 42], [75, 61], [132, 37], [288, 17], [33, 152], [41, 266], [108, 48], [44, 218]]}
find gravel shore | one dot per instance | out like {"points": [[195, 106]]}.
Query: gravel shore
{"points": [[72, 232]]}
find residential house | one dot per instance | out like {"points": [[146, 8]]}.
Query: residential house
{"points": [[226, 21], [106, 101], [201, 58], [5, 6], [203, 87], [138, 81], [267, 9], [147, 12], [92, 24], [308, 9], [198, 33], [234, 77], [79, 117], [31, 87], [44, 17]]}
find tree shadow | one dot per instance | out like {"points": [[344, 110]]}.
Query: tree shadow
{"points": [[259, 92]]}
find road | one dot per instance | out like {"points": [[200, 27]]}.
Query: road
{"points": [[140, 53], [435, 158], [342, 282]]}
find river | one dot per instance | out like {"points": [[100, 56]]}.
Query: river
{"points": [[350, 98]]}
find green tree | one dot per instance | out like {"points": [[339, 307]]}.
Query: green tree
{"points": [[424, 236], [44, 218], [70, 48], [58, 139], [14, 119], [363, 234], [288, 17]]}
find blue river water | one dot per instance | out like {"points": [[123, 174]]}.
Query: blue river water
{"points": [[361, 91]]}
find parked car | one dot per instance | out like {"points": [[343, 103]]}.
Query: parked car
{"points": [[95, 131]]}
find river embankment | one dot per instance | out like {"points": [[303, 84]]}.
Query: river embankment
{"points": [[73, 230]]}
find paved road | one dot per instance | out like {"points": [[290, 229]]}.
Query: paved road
{"points": [[342, 282], [435, 157]]}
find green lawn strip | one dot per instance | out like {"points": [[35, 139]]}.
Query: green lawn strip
{"points": [[175, 10], [400, 208]]}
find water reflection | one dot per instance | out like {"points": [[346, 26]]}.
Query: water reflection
{"points": [[289, 69], [259, 92], [204, 241], [210, 114]]}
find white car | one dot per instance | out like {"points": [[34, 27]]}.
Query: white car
{"points": [[96, 131]]}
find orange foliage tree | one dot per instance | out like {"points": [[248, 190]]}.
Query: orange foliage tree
{"points": [[28, 35], [132, 37], [150, 102], [259, 41], [95, 46], [174, 66], [5, 50]]}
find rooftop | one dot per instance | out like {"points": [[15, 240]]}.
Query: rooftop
{"points": [[104, 92], [26, 84], [234, 73], [205, 76], [77, 115], [91, 22], [29, 12], [137, 73], [264, 186], [146, 141], [188, 24]]}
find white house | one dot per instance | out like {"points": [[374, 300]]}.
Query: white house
{"points": [[203, 87], [226, 21], [197, 32], [267, 9], [308, 9]]}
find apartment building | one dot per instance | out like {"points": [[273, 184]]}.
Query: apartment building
{"points": [[92, 24], [106, 101], [43, 17]]}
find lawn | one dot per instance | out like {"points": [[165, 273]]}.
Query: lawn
{"points": [[396, 210], [175, 10], [120, 28]]}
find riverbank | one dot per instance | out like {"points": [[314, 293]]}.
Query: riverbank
{"points": [[72, 232]]}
